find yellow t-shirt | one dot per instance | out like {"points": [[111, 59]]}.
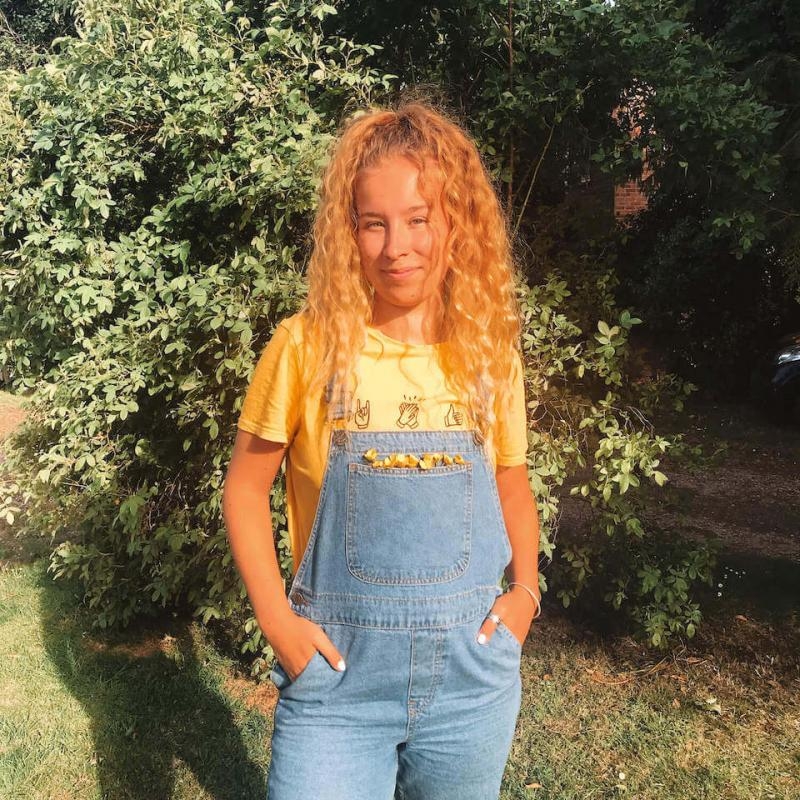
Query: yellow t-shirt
{"points": [[401, 387]]}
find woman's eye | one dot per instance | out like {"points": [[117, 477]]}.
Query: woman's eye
{"points": [[376, 223]]}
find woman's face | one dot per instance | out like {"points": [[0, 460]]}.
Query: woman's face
{"points": [[400, 239]]}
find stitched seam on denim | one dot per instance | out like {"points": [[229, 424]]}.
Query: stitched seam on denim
{"points": [[457, 439], [392, 629], [492, 481], [394, 472], [335, 616], [426, 578], [305, 669], [387, 613], [504, 629], [409, 713], [399, 599], [424, 704], [314, 535]]}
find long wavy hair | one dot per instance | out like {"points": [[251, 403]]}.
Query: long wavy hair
{"points": [[479, 316]]}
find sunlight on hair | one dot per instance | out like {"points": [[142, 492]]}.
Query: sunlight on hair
{"points": [[479, 314]]}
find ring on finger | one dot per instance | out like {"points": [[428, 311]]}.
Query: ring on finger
{"points": [[493, 617]]}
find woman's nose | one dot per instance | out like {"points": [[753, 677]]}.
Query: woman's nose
{"points": [[397, 242]]}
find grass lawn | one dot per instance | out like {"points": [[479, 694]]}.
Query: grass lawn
{"points": [[153, 714], [160, 713]]}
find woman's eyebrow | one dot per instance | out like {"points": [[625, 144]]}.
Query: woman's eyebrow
{"points": [[407, 211]]}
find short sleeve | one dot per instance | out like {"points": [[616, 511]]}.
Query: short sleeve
{"points": [[271, 408], [511, 435]]}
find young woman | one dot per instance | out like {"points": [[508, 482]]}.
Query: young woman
{"points": [[396, 397]]}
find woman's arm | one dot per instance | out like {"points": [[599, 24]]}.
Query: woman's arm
{"points": [[245, 504], [522, 523], [516, 607]]}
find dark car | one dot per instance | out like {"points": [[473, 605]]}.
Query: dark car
{"points": [[775, 380]]}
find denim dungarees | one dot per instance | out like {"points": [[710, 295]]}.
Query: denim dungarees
{"points": [[401, 568]]}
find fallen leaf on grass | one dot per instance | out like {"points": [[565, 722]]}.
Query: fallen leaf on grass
{"points": [[711, 704], [623, 678]]}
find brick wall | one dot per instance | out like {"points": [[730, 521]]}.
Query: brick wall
{"points": [[628, 199]]}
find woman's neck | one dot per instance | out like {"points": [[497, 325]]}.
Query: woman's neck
{"points": [[408, 330], [412, 326]]}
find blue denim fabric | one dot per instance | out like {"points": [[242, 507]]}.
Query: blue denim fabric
{"points": [[401, 568]]}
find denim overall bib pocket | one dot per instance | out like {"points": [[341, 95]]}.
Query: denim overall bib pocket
{"points": [[401, 567], [384, 502]]}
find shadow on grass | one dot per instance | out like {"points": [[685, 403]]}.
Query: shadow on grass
{"points": [[768, 585], [757, 616], [151, 705]]}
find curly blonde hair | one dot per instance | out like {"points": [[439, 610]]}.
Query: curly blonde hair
{"points": [[479, 313]]}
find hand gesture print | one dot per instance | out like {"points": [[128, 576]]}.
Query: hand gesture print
{"points": [[362, 414], [408, 415], [453, 418]]}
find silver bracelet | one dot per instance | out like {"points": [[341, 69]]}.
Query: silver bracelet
{"points": [[533, 596]]}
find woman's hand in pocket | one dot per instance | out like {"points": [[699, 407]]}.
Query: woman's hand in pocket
{"points": [[516, 609], [295, 640]]}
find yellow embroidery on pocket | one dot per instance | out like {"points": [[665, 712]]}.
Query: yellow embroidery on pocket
{"points": [[409, 460]]}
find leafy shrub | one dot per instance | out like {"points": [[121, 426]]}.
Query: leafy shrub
{"points": [[161, 171], [600, 445], [26, 25], [161, 167]]}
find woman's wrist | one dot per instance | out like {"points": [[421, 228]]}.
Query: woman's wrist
{"points": [[274, 619], [534, 598]]}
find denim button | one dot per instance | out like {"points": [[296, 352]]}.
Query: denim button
{"points": [[298, 598]]}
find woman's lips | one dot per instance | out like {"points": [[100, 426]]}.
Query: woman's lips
{"points": [[400, 273]]}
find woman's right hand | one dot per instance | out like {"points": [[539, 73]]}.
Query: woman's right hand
{"points": [[295, 639]]}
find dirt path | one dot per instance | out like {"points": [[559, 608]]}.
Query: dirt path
{"points": [[748, 493], [10, 413]]}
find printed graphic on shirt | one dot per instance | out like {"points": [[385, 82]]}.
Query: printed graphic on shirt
{"points": [[361, 414], [453, 418], [409, 411]]}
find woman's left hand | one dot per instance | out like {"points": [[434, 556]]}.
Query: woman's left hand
{"points": [[516, 609]]}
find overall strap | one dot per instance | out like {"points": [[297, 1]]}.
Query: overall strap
{"points": [[338, 413], [339, 410]]}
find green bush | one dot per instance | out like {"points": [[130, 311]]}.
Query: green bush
{"points": [[155, 212], [589, 434], [30, 25]]}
